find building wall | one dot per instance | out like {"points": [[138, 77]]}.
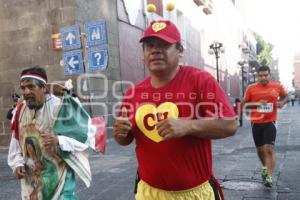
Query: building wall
{"points": [[132, 66], [131, 63], [297, 74], [102, 84], [192, 54], [224, 25], [26, 29], [198, 31]]}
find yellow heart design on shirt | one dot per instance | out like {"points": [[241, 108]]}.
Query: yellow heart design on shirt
{"points": [[158, 26], [148, 115]]}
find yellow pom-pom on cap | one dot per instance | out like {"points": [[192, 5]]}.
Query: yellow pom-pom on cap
{"points": [[151, 8], [170, 6]]}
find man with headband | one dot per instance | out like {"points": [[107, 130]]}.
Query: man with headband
{"points": [[36, 152]]}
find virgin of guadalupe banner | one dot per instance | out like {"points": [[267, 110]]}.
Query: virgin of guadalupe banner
{"points": [[45, 170], [48, 169]]}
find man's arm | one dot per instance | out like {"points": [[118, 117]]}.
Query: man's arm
{"points": [[15, 159], [282, 100], [208, 129], [213, 129], [65, 143], [122, 128], [283, 97]]}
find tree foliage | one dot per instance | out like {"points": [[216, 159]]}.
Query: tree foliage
{"points": [[263, 50]]}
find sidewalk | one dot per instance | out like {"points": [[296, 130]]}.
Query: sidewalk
{"points": [[237, 167]]}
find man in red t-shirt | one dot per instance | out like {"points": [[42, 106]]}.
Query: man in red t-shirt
{"points": [[262, 100], [173, 114]]}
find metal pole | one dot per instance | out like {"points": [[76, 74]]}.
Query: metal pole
{"points": [[243, 92], [243, 88], [216, 48], [217, 64]]}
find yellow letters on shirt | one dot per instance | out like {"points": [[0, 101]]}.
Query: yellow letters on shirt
{"points": [[148, 115]]}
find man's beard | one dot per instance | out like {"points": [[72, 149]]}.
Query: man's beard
{"points": [[33, 105], [265, 82]]}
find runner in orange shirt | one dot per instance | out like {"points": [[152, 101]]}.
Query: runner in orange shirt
{"points": [[263, 98]]}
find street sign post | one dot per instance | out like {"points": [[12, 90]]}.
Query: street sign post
{"points": [[95, 47], [70, 37], [98, 58], [73, 62], [96, 33]]}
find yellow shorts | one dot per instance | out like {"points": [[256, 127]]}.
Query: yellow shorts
{"points": [[201, 192]]}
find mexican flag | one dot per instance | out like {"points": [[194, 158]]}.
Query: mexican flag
{"points": [[74, 122]]}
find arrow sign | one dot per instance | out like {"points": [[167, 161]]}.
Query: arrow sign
{"points": [[73, 62], [70, 37]]}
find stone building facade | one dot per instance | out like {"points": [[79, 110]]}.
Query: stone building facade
{"points": [[27, 27], [26, 30]]}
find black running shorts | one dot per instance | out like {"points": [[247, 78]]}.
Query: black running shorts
{"points": [[264, 133]]}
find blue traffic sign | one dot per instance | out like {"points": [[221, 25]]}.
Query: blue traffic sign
{"points": [[70, 37], [73, 63], [96, 33], [98, 58]]}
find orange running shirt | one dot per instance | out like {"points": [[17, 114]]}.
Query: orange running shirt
{"points": [[256, 93]]}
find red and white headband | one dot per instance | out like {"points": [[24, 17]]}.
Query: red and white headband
{"points": [[33, 76]]}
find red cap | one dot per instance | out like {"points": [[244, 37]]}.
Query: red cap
{"points": [[163, 29]]}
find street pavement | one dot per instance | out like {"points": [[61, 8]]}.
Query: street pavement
{"points": [[235, 165], [238, 169]]}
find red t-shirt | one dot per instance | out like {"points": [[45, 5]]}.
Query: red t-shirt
{"points": [[181, 163], [269, 93]]}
